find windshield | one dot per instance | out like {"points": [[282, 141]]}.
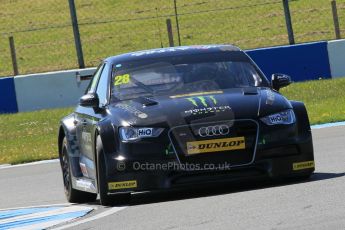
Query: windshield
{"points": [[182, 76]]}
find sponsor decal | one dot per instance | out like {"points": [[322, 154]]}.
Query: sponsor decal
{"points": [[215, 130], [202, 100], [262, 141], [169, 150], [216, 145], [228, 48], [124, 81], [86, 137], [270, 97], [205, 104], [303, 165], [160, 80], [214, 109], [132, 110], [145, 132], [122, 185], [204, 47], [83, 169], [196, 94], [172, 49], [278, 118], [157, 51]]}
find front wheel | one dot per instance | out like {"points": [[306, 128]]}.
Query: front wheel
{"points": [[105, 199], [72, 195]]}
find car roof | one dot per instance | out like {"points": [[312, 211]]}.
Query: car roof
{"points": [[170, 51]]}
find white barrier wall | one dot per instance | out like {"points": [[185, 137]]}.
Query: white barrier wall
{"points": [[336, 53], [50, 90]]}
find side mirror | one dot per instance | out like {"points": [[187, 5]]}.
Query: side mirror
{"points": [[90, 100], [280, 80]]}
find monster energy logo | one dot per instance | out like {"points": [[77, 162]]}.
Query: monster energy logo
{"points": [[202, 100], [206, 104]]}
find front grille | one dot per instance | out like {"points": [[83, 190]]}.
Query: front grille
{"points": [[284, 151], [218, 146], [207, 177]]}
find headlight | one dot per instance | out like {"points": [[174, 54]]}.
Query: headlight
{"points": [[133, 134], [283, 118]]}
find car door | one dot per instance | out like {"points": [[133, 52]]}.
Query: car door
{"points": [[86, 118]]}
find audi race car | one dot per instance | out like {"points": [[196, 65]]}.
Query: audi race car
{"points": [[177, 117]]}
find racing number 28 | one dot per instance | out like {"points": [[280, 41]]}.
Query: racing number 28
{"points": [[122, 79]]}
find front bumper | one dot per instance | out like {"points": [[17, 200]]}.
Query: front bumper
{"points": [[270, 163]]}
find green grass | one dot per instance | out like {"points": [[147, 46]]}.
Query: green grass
{"points": [[29, 136], [32, 136], [324, 99], [44, 37]]}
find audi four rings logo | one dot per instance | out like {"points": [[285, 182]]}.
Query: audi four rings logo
{"points": [[215, 130]]}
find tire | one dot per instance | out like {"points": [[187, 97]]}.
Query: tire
{"points": [[72, 195], [105, 199]]}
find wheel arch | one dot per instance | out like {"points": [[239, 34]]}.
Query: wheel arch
{"points": [[302, 117], [61, 136], [105, 131], [68, 129], [96, 134]]}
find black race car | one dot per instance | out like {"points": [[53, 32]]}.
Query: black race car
{"points": [[178, 117]]}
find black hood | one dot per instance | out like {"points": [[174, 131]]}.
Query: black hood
{"points": [[239, 103]]}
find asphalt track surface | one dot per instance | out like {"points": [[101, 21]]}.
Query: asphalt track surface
{"points": [[315, 204]]}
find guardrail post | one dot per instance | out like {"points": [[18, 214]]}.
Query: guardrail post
{"points": [[288, 22], [170, 33], [13, 56], [336, 19], [76, 33]]}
